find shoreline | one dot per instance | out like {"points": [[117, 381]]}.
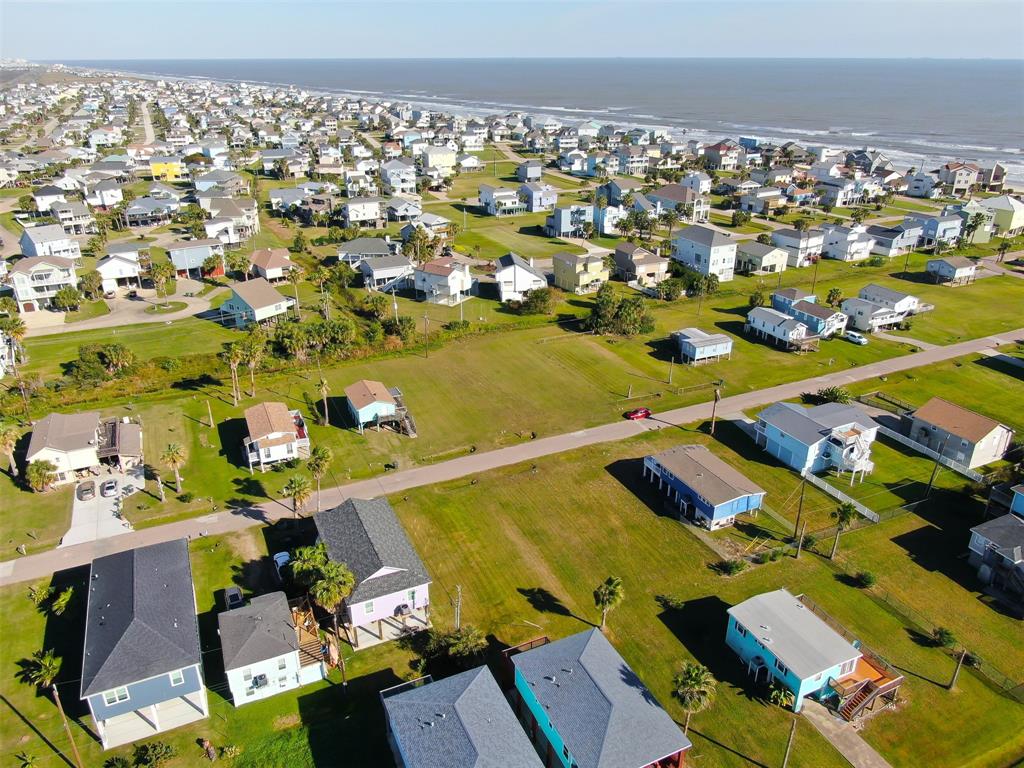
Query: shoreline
{"points": [[931, 154]]}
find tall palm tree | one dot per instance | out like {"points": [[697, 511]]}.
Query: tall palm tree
{"points": [[15, 329], [319, 462], [174, 458], [8, 439], [252, 352], [42, 670], [694, 686], [298, 490], [333, 584], [294, 275], [608, 595], [844, 515], [233, 356], [1004, 246], [324, 388]]}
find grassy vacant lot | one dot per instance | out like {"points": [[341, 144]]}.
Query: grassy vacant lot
{"points": [[87, 311]]}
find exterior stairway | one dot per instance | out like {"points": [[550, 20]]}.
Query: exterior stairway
{"points": [[309, 652], [856, 702]]}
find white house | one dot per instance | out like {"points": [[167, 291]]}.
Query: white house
{"points": [[254, 301], [955, 270], [269, 647], [37, 279], [707, 251], [444, 281], [50, 240], [803, 248], [105, 194], [392, 588], [384, 273], [399, 177], [847, 243], [189, 255], [365, 212], [768, 323], [516, 277], [273, 434], [118, 270], [73, 442], [500, 201], [868, 316], [271, 263], [898, 301], [756, 258]]}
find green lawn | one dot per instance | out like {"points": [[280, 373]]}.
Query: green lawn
{"points": [[87, 311], [751, 227]]}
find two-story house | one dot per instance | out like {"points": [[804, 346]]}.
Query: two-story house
{"points": [[50, 240], [37, 279], [538, 196], [254, 301], [996, 549], [754, 258], [399, 176], [706, 251], [706, 490], [943, 228], [392, 588], [569, 220], [516, 277], [964, 436], [579, 273], [802, 248], [847, 243], [635, 263], [953, 270], [501, 201], [142, 667], [444, 281], [273, 433]]}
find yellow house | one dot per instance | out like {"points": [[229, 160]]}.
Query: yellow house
{"points": [[1007, 214], [579, 274], [167, 168]]}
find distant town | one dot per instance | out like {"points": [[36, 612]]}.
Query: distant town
{"points": [[345, 432]]}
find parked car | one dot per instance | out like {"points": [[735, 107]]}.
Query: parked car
{"points": [[856, 338], [281, 559], [108, 489], [638, 413], [86, 491], [232, 598]]}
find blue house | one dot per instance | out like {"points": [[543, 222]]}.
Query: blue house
{"points": [[370, 402], [815, 439], [707, 490], [462, 720], [585, 707], [780, 639], [697, 346], [820, 320], [1017, 505], [141, 669]]}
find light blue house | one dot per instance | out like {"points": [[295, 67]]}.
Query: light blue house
{"points": [[820, 320], [1017, 505], [815, 439], [370, 402], [945, 228], [706, 489], [780, 639], [142, 666], [569, 220], [697, 346], [584, 707]]}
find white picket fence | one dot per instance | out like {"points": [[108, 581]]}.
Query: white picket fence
{"points": [[943, 460], [835, 493]]}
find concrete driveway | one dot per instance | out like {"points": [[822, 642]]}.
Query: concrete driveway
{"points": [[97, 518]]}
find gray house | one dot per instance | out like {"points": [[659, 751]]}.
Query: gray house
{"points": [[463, 720], [142, 667], [996, 549], [529, 170]]}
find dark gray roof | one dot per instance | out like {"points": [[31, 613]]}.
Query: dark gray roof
{"points": [[365, 246], [705, 236], [514, 259], [141, 617], [366, 536], [256, 632], [814, 310], [1006, 533], [809, 425], [603, 711], [463, 721]]}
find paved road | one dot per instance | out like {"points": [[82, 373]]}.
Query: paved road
{"points": [[147, 123], [45, 563]]}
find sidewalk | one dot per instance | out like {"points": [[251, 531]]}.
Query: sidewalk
{"points": [[45, 563], [841, 735]]}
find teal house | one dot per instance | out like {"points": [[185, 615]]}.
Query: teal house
{"points": [[370, 402], [781, 640]]}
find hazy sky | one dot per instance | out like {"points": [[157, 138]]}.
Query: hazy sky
{"points": [[187, 29]]}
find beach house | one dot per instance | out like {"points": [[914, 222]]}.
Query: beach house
{"points": [[500, 201], [37, 279], [952, 270], [369, 402], [705, 489], [996, 550], [142, 668], [697, 346], [781, 329], [634, 263], [569, 220], [254, 301], [706, 251], [818, 438], [49, 240], [444, 281], [754, 258], [273, 433], [802, 248], [964, 436], [1007, 214], [189, 256], [515, 277], [75, 442], [579, 273]]}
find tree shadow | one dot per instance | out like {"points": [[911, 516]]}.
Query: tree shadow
{"points": [[847, 580], [544, 601], [196, 383]]}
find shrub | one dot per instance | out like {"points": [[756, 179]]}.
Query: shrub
{"points": [[187, 498], [230, 751], [865, 579], [730, 567], [456, 325], [877, 260], [117, 762], [153, 754], [943, 637], [809, 541], [169, 364]]}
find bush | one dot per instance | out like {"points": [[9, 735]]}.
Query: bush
{"points": [[877, 260], [153, 754], [456, 325], [230, 751], [187, 497], [943, 637], [865, 579], [117, 762], [168, 364], [809, 541], [730, 567]]}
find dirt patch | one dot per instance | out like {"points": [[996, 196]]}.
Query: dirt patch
{"points": [[283, 722]]}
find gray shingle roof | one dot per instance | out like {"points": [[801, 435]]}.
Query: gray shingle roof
{"points": [[705, 236], [141, 617], [809, 425], [514, 259], [603, 711], [256, 632], [463, 721], [365, 246], [707, 474], [64, 432], [1006, 533], [792, 633], [366, 536]]}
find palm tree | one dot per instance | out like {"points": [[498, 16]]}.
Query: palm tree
{"points": [[608, 595], [668, 219], [1004, 246], [60, 603], [233, 356], [41, 671], [252, 353], [295, 274], [319, 462], [8, 440], [161, 272], [844, 515], [324, 388], [694, 686], [15, 329], [174, 458], [333, 584], [298, 490], [41, 474]]}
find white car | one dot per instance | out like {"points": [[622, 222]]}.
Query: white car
{"points": [[281, 559], [856, 338]]}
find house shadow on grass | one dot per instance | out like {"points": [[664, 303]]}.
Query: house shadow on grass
{"points": [[1004, 364], [629, 474], [665, 349], [352, 716], [230, 432]]}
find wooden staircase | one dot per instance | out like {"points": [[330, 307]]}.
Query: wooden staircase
{"points": [[857, 702], [309, 652]]}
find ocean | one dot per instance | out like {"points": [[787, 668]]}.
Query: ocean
{"points": [[919, 111]]}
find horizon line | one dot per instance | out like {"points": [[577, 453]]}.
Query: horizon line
{"points": [[531, 58]]}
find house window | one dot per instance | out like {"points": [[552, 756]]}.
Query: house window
{"points": [[282, 663], [266, 453], [369, 607], [177, 677], [565, 752], [740, 629], [282, 681], [250, 691], [247, 675], [781, 667], [847, 667], [411, 596], [115, 696]]}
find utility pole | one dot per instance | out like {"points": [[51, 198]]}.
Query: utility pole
{"points": [[800, 541], [714, 408], [800, 507], [394, 303], [67, 726], [935, 470], [956, 672], [814, 279], [629, 392], [789, 744], [426, 335], [671, 363], [461, 315], [458, 606], [209, 413]]}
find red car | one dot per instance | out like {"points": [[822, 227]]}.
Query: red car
{"points": [[639, 413]]}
